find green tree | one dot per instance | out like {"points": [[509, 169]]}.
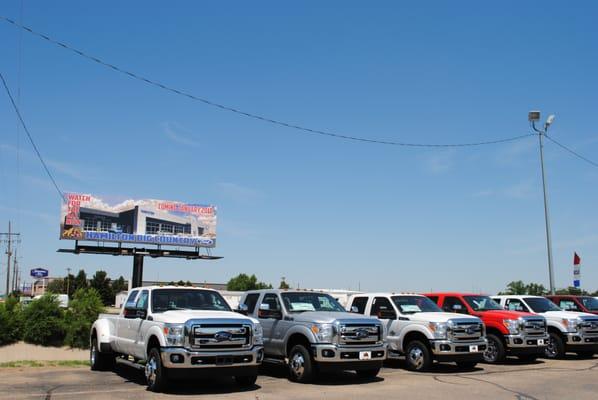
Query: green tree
{"points": [[81, 281], [43, 321], [572, 290], [180, 283], [119, 285], [283, 284], [101, 283], [243, 282], [56, 286], [69, 285], [11, 320], [516, 287], [536, 289], [83, 311]]}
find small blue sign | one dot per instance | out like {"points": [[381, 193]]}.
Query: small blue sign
{"points": [[576, 283], [39, 273]]}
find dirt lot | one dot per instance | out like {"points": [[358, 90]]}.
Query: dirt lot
{"points": [[543, 379]]}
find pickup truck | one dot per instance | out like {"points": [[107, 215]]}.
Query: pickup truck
{"points": [[178, 332], [310, 332], [569, 302], [569, 331], [515, 333], [416, 327]]}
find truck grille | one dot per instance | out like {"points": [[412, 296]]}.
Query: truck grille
{"points": [[359, 334], [589, 326], [534, 326], [464, 331], [220, 336]]}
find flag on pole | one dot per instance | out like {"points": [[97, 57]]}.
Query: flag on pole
{"points": [[576, 270]]}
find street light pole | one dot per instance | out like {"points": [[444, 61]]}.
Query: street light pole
{"points": [[533, 117]]}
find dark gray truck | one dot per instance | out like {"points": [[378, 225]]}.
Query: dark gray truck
{"points": [[310, 332]]}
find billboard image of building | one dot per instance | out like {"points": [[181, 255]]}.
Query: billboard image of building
{"points": [[85, 217]]}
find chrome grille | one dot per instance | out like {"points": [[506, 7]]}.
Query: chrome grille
{"points": [[465, 331], [220, 336], [534, 326], [359, 334], [589, 326]]}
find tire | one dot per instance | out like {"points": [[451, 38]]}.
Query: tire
{"points": [[466, 365], [555, 348], [100, 361], [528, 357], [495, 351], [585, 354], [368, 373], [155, 373], [246, 381], [417, 356], [301, 365]]}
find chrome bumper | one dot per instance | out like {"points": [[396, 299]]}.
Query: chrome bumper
{"points": [[521, 341], [450, 348], [335, 353], [579, 338], [179, 357]]}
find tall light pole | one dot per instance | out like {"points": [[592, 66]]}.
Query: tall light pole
{"points": [[534, 116]]}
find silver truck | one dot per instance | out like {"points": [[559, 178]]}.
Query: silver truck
{"points": [[175, 332], [310, 332], [414, 326]]}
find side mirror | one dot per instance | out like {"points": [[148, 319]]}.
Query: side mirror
{"points": [[243, 309], [354, 309], [134, 312], [387, 314], [264, 307], [141, 314], [265, 312]]}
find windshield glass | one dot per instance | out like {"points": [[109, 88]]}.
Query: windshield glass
{"points": [[415, 304], [541, 305], [187, 299], [482, 303], [300, 302], [590, 303]]}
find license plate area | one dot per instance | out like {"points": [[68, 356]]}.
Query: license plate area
{"points": [[541, 342], [473, 348], [365, 355]]}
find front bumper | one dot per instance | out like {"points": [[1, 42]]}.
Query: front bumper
{"points": [[447, 348], [179, 357], [581, 341], [519, 344], [328, 353]]}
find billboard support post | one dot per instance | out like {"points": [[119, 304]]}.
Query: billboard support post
{"points": [[137, 279]]}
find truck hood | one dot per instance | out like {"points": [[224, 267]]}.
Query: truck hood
{"points": [[182, 316], [503, 314], [440, 317], [565, 314], [328, 317]]}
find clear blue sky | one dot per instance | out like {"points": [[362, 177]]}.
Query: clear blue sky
{"points": [[319, 211]]}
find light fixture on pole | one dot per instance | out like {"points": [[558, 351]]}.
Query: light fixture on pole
{"points": [[533, 117]]}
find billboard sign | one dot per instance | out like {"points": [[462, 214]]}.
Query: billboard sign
{"points": [[39, 273], [148, 222]]}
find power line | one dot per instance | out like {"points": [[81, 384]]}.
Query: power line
{"points": [[245, 113], [41, 159], [595, 164]]}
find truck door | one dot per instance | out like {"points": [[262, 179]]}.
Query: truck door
{"points": [[382, 304], [122, 340], [136, 326], [269, 306]]}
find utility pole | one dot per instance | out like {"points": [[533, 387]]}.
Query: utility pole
{"points": [[9, 239], [14, 272], [68, 281], [533, 117]]}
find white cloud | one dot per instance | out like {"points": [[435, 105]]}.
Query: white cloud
{"points": [[440, 162], [173, 132], [55, 166]]}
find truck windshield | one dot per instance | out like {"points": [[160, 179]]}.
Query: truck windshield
{"points": [[300, 302], [482, 303], [187, 299], [415, 304], [541, 305], [590, 303]]}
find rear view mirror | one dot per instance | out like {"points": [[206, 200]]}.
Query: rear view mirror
{"points": [[354, 309], [243, 309]]}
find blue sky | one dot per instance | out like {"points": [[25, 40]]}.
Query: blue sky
{"points": [[319, 211]]}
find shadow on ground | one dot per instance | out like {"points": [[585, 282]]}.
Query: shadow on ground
{"points": [[326, 379]]}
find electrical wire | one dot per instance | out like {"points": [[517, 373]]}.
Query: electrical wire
{"points": [[595, 164], [245, 113], [37, 152]]}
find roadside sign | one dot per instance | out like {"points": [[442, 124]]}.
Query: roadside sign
{"points": [[39, 273]]}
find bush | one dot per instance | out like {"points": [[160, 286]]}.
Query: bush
{"points": [[10, 321], [43, 321], [84, 310]]}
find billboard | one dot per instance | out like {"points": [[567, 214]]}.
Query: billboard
{"points": [[39, 273], [148, 222]]}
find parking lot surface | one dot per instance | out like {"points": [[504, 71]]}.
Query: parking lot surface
{"points": [[544, 379]]}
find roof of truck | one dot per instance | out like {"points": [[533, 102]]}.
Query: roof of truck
{"points": [[457, 294], [153, 287], [386, 294]]}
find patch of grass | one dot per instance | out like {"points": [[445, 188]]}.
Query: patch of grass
{"points": [[36, 364]]}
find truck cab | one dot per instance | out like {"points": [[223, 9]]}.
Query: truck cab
{"points": [[310, 332], [414, 326], [568, 331], [586, 304], [515, 333]]}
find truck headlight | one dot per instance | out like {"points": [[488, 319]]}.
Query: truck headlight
{"points": [[439, 329], [174, 334], [258, 334], [323, 332], [512, 326], [571, 324]]}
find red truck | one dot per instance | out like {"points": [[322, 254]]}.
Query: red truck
{"points": [[513, 333], [587, 304]]}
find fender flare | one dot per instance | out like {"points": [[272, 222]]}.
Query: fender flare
{"points": [[102, 331]]}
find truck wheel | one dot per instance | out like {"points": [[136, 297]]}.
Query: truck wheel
{"points": [[495, 351], [466, 365], [417, 356], [100, 361], [155, 372], [301, 368], [368, 373], [555, 348], [246, 381]]}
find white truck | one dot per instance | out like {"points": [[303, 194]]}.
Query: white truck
{"points": [[416, 327], [568, 331], [178, 332]]}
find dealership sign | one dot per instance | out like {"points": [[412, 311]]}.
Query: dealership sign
{"points": [[39, 273], [85, 217]]}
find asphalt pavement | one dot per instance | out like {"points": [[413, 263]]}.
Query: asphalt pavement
{"points": [[544, 379]]}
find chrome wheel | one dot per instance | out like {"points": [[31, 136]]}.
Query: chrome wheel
{"points": [[298, 364], [491, 352], [416, 357], [551, 349], [93, 354], [150, 371]]}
